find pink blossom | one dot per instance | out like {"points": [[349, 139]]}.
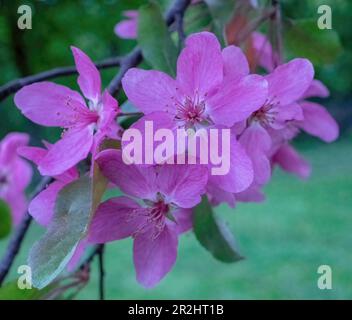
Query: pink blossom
{"points": [[15, 174], [127, 29], [287, 83], [168, 193], [54, 105], [212, 90]]}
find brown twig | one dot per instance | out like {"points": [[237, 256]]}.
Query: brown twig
{"points": [[15, 85]]}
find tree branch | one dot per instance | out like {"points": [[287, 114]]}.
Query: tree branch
{"points": [[15, 85], [18, 237], [101, 273]]}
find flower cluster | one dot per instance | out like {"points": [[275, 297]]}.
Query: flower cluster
{"points": [[213, 89]]}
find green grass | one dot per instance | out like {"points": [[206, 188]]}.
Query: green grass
{"points": [[302, 225]]}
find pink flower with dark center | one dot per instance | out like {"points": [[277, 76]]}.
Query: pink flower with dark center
{"points": [[15, 174], [50, 104], [156, 211]]}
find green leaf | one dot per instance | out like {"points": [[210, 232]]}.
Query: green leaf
{"points": [[11, 291], [154, 39], [213, 234], [303, 38], [5, 219], [197, 18], [49, 256]]}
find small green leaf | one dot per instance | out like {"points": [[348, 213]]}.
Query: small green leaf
{"points": [[154, 39], [213, 234], [304, 39], [5, 219], [11, 291], [197, 18], [49, 256]]}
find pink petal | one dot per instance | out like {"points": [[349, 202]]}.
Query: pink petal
{"points": [[77, 255], [235, 63], [115, 219], [127, 29], [316, 89], [285, 113], [10, 144], [289, 81], [240, 175], [217, 196], [130, 13], [52, 105], [34, 154], [134, 180], [318, 122], [237, 100], [200, 66], [21, 174], [89, 77], [154, 258], [149, 90], [184, 220], [158, 120], [289, 160], [182, 184], [42, 206], [18, 204], [256, 141], [67, 152], [252, 194], [264, 51]]}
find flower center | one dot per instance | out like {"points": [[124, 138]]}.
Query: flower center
{"points": [[190, 111], [266, 115], [155, 218]]}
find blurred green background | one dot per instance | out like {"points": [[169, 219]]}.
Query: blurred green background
{"points": [[302, 225]]}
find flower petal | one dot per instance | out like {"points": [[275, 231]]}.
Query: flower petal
{"points": [[264, 51], [115, 219], [10, 144], [42, 206], [154, 258], [133, 180], [182, 184], [127, 29], [149, 90], [89, 77], [316, 89], [318, 122], [67, 152], [289, 160], [257, 143], [240, 174], [235, 63], [184, 220], [51, 104], [200, 66], [237, 100], [289, 81]]}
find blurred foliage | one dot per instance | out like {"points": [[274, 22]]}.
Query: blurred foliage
{"points": [[5, 218]]}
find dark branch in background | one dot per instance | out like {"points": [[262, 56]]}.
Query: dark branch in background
{"points": [[15, 85], [179, 21], [101, 273], [276, 33], [129, 61], [17, 238]]}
